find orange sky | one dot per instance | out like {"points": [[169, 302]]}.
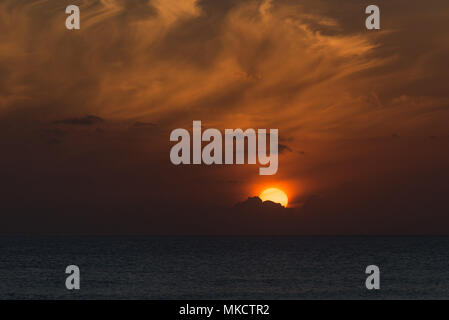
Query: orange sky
{"points": [[362, 115]]}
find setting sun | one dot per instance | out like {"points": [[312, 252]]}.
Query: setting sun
{"points": [[275, 195]]}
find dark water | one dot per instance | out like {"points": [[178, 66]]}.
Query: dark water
{"points": [[224, 268]]}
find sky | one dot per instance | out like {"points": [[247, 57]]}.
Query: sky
{"points": [[86, 115]]}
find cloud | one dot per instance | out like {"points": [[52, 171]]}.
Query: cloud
{"points": [[83, 121], [255, 203], [164, 69], [282, 148], [223, 62]]}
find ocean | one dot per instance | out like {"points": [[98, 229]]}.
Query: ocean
{"points": [[224, 267]]}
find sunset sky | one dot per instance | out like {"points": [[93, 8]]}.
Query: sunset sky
{"points": [[85, 116]]}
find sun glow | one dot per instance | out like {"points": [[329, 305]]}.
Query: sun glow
{"points": [[275, 195]]}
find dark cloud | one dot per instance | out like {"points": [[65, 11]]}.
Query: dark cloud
{"points": [[255, 203], [282, 148], [83, 121]]}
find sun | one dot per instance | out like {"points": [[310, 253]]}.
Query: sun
{"points": [[275, 195]]}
